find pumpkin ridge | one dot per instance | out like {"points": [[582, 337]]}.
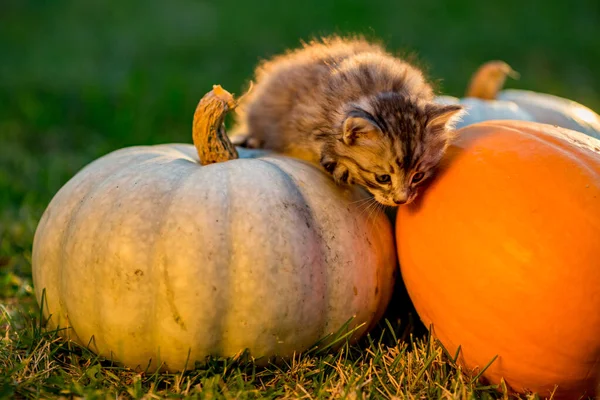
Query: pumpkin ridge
{"points": [[559, 111], [315, 227], [126, 152], [159, 266], [67, 233], [224, 327], [177, 170], [182, 150], [213, 271], [126, 176], [382, 296], [74, 184]]}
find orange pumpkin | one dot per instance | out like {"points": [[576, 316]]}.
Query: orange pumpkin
{"points": [[501, 255]]}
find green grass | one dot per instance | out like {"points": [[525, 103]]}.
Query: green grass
{"points": [[38, 363], [80, 79]]}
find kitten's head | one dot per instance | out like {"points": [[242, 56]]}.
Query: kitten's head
{"points": [[391, 143]]}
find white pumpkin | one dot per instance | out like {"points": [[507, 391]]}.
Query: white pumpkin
{"points": [[478, 110], [485, 101], [149, 257], [554, 110]]}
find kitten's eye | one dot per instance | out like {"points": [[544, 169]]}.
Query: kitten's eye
{"points": [[383, 178], [418, 177]]}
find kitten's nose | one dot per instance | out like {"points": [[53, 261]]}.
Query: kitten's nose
{"points": [[400, 198]]}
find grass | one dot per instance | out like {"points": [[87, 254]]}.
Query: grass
{"points": [[384, 365], [80, 79]]}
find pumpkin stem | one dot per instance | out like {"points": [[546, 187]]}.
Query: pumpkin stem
{"points": [[489, 79], [211, 140]]}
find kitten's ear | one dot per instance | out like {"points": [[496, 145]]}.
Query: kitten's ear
{"points": [[358, 127], [444, 117]]}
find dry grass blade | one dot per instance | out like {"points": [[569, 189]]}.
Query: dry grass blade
{"points": [[38, 363]]}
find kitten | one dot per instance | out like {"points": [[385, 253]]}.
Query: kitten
{"points": [[366, 117]]}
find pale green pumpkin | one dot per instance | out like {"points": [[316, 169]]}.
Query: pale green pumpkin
{"points": [[485, 101], [478, 110], [149, 257]]}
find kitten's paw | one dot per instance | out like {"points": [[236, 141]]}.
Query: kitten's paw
{"points": [[328, 163], [342, 175], [239, 140], [245, 140], [339, 172], [254, 143]]}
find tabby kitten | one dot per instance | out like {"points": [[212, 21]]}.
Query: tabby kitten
{"points": [[365, 116]]}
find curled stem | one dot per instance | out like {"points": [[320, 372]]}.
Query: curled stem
{"points": [[208, 133], [489, 79]]}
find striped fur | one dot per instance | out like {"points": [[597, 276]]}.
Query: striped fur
{"points": [[351, 107]]}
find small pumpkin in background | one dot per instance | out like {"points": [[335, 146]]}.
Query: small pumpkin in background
{"points": [[485, 101], [501, 255], [154, 260]]}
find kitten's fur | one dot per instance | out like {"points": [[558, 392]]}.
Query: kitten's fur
{"points": [[365, 116]]}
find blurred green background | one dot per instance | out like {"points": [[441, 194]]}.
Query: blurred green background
{"points": [[81, 78]]}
